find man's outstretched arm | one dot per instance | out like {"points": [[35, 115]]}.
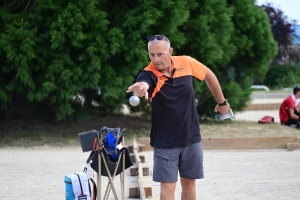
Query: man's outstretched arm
{"points": [[140, 89]]}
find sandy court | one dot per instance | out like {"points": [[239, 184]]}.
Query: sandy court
{"points": [[252, 174], [38, 173]]}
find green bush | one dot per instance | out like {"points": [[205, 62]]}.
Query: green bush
{"points": [[51, 51], [282, 76], [238, 95]]}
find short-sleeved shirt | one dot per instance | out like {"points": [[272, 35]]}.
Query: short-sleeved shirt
{"points": [[288, 103], [175, 122]]}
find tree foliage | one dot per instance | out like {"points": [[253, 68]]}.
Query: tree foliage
{"points": [[239, 48], [54, 50], [51, 53], [282, 30], [281, 26]]}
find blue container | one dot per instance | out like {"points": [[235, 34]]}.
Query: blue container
{"points": [[69, 189]]}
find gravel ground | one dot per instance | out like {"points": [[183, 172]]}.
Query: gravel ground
{"points": [[37, 173]]}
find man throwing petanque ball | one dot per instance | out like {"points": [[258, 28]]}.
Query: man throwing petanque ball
{"points": [[175, 133]]}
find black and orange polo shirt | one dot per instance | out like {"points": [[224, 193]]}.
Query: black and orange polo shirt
{"points": [[175, 121]]}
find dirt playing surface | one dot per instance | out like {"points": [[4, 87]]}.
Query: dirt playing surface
{"points": [[37, 173], [35, 170]]}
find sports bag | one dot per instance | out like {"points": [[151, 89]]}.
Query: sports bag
{"points": [[266, 120], [78, 187]]}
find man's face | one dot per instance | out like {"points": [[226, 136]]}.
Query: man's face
{"points": [[297, 94], [160, 54]]}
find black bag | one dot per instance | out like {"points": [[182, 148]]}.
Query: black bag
{"points": [[87, 139], [111, 164], [109, 138], [105, 142]]}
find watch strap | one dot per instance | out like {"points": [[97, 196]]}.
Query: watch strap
{"points": [[224, 103]]}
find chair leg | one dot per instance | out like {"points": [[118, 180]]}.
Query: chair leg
{"points": [[123, 176], [110, 179], [108, 188], [110, 185], [99, 178]]}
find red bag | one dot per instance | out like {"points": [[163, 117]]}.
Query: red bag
{"points": [[266, 120]]}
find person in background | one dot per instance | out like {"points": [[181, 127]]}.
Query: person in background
{"points": [[175, 133], [289, 111]]}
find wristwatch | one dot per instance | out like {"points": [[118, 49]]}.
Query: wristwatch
{"points": [[224, 103]]}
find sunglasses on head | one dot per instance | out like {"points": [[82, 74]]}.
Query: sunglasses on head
{"points": [[158, 37]]}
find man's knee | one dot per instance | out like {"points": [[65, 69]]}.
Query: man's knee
{"points": [[297, 111], [168, 187], [167, 191], [188, 183]]}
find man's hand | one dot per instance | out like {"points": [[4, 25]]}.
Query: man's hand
{"points": [[293, 114], [140, 89], [222, 109]]}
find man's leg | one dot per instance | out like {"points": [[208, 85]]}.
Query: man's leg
{"points": [[190, 169], [297, 112], [165, 171], [297, 108], [188, 189], [167, 191], [291, 122]]}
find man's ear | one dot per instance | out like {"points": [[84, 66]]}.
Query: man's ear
{"points": [[171, 50]]}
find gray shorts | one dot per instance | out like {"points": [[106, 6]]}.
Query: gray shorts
{"points": [[188, 161]]}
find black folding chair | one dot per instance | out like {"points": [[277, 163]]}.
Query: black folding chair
{"points": [[107, 160]]}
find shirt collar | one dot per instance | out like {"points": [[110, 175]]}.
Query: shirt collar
{"points": [[295, 100]]}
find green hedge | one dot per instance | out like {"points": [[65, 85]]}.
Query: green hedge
{"points": [[282, 76]]}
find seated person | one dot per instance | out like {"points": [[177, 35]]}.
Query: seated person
{"points": [[289, 112]]}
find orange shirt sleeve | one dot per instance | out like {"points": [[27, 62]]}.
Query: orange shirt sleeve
{"points": [[198, 70]]}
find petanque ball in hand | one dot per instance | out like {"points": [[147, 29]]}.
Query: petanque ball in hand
{"points": [[134, 100]]}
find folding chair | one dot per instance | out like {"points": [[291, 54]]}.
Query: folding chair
{"points": [[108, 160]]}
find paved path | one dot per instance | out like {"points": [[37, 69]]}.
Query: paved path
{"points": [[271, 95], [255, 115], [37, 173]]}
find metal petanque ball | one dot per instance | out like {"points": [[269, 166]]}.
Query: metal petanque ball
{"points": [[134, 100]]}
